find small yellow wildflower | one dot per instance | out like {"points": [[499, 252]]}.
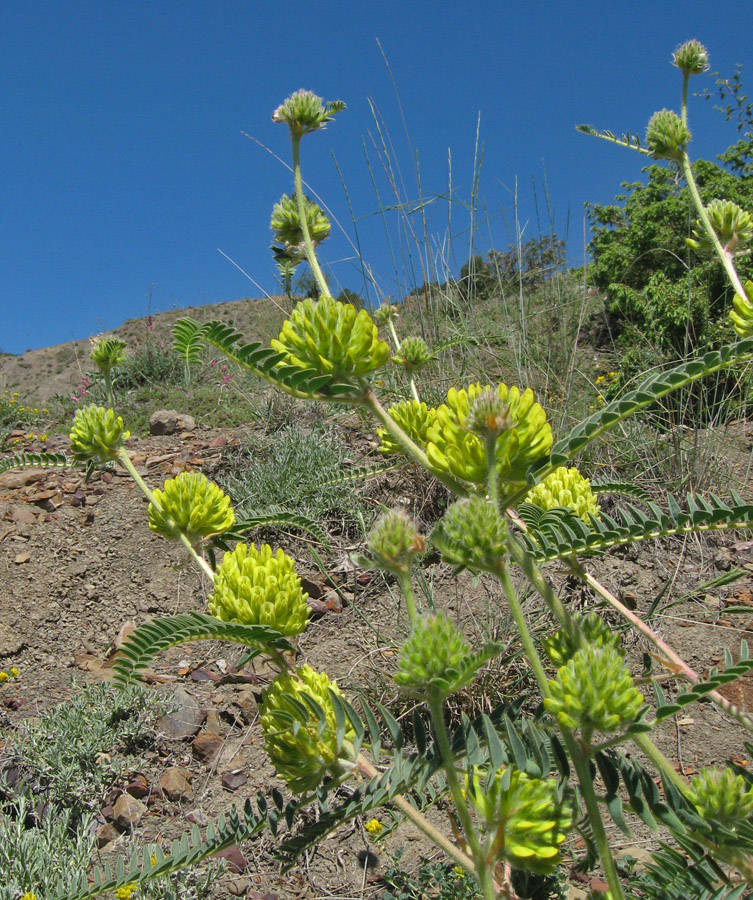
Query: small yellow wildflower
{"points": [[4, 676], [459, 871], [124, 892], [600, 399], [601, 379], [154, 859], [613, 374], [14, 672], [29, 896], [374, 826], [14, 394]]}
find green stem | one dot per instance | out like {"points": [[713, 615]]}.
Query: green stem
{"points": [[482, 870], [525, 635], [660, 760], [725, 257], [411, 449], [307, 242], [108, 389], [406, 586], [396, 342], [125, 461], [420, 821], [585, 781]]}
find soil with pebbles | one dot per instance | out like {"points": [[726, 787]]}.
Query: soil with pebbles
{"points": [[79, 567]]}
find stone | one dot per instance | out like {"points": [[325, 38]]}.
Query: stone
{"points": [[182, 723], [236, 861], [11, 642], [175, 785], [106, 834], [206, 747], [138, 786], [168, 421], [235, 779], [23, 514], [128, 812]]}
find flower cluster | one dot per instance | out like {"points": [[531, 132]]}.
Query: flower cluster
{"points": [[287, 228], [721, 795], [472, 533], [568, 489], [191, 505], [97, 434], [331, 338], [256, 587], [300, 729], [526, 817], [304, 112], [393, 541], [741, 315], [436, 656]]}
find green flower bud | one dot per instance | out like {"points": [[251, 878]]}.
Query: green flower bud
{"points": [[286, 223], [732, 224], [191, 505], [594, 691], [414, 418], [527, 816], [472, 533], [331, 338], [692, 57], [666, 135], [721, 795], [304, 112], [566, 488], [384, 313], [302, 745], [741, 315], [435, 656], [489, 416], [413, 354], [96, 435], [393, 542], [560, 647], [107, 353], [255, 587], [452, 448]]}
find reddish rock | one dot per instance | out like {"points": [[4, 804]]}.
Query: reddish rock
{"points": [[175, 784], [235, 779], [128, 812], [138, 786], [105, 834], [236, 861], [184, 722], [206, 747]]}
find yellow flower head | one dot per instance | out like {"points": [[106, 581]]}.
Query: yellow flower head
{"points": [[374, 826]]}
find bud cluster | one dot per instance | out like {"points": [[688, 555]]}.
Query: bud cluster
{"points": [[591, 629], [594, 691], [287, 228], [692, 58], [393, 542], [415, 418], [192, 505], [721, 795], [437, 657], [413, 354], [106, 353], [732, 225], [472, 533], [667, 136], [304, 112], [257, 587]]}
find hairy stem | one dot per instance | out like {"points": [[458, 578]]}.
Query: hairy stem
{"points": [[308, 243], [481, 869], [125, 460]]}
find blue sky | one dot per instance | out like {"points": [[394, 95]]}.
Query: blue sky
{"points": [[124, 168]]}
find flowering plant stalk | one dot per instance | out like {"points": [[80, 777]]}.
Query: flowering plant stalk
{"points": [[517, 789]]}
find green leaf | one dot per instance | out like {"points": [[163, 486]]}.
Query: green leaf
{"points": [[28, 460]]}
